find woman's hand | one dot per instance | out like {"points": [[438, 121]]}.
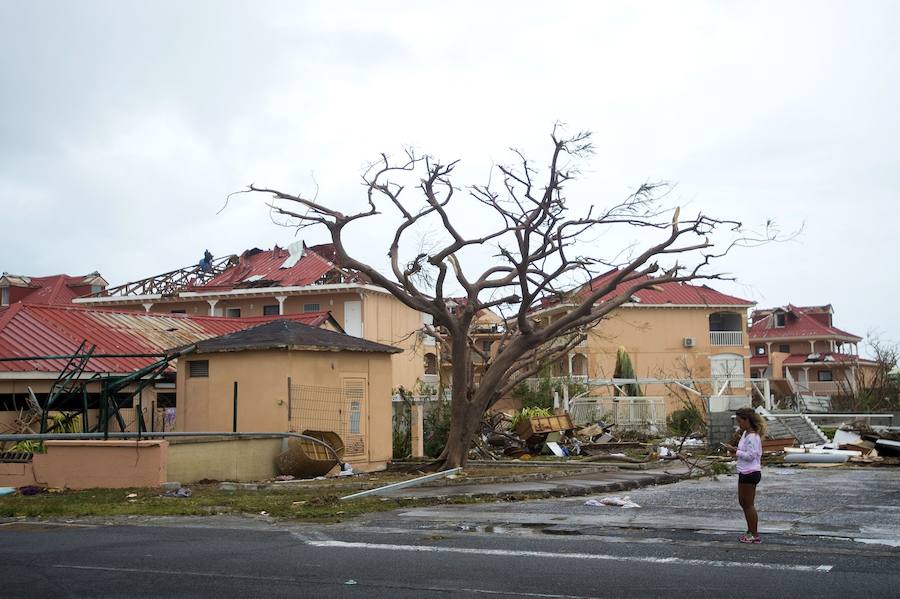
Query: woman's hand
{"points": [[728, 447]]}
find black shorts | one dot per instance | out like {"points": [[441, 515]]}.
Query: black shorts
{"points": [[751, 478]]}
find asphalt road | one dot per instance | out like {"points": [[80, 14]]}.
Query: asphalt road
{"points": [[533, 549]]}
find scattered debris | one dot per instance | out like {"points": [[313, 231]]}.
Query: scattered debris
{"points": [[131, 496], [30, 490], [284, 477], [181, 492], [623, 502], [7, 491]]}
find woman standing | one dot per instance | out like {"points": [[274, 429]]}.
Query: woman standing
{"points": [[749, 454]]}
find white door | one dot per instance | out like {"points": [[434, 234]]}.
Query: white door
{"points": [[353, 318]]}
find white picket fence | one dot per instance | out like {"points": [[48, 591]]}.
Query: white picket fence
{"points": [[636, 413]]}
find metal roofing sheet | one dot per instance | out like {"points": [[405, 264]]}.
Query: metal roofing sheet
{"points": [[267, 266], [38, 330]]}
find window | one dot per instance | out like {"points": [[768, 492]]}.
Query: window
{"points": [[4, 296], [784, 348], [233, 312], [824, 376], [95, 289], [760, 350], [311, 308], [271, 310], [779, 319], [430, 364], [179, 311], [354, 417], [579, 365], [486, 346], [198, 368]]}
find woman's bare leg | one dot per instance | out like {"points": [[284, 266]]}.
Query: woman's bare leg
{"points": [[746, 497]]}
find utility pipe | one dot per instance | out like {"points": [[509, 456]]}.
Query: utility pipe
{"points": [[168, 434]]}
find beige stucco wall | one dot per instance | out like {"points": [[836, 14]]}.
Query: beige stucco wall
{"points": [[92, 464], [191, 460], [654, 340], [389, 321], [206, 404]]}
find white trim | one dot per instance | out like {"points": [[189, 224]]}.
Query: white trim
{"points": [[249, 292], [118, 299]]}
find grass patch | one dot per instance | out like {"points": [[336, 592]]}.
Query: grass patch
{"points": [[307, 505]]}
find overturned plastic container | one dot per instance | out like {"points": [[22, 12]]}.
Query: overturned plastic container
{"points": [[308, 459]]}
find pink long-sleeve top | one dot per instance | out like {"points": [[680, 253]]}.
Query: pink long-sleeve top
{"points": [[749, 453]]}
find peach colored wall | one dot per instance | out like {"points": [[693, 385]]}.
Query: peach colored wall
{"points": [[206, 404], [387, 320], [92, 464], [653, 338]]}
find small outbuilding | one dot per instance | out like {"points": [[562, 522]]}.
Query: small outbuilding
{"points": [[286, 376]]}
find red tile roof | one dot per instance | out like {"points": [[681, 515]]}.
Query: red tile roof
{"points": [[262, 268], [681, 294], [35, 330], [799, 322], [759, 360]]}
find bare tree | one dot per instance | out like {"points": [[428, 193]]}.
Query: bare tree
{"points": [[539, 253]]}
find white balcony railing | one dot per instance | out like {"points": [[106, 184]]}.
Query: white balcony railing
{"points": [[726, 338]]}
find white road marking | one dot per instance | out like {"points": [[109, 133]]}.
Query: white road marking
{"points": [[569, 556]]}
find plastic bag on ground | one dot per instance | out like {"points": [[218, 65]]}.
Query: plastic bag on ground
{"points": [[623, 502]]}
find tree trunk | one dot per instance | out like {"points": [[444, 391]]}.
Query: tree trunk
{"points": [[465, 412]]}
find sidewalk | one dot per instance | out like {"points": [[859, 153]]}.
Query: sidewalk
{"points": [[569, 486]]}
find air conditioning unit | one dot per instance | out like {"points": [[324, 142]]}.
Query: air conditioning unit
{"points": [[689, 342]]}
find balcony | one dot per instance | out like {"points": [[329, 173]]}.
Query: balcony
{"points": [[735, 338]]}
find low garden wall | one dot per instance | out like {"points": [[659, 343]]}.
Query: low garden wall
{"points": [[110, 464], [222, 458]]}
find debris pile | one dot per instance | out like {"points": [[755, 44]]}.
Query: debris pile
{"points": [[533, 432]]}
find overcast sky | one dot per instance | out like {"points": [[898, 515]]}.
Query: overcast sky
{"points": [[124, 125]]}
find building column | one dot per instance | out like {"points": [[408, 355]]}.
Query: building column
{"points": [[416, 423], [280, 299], [812, 346], [212, 306], [147, 306]]}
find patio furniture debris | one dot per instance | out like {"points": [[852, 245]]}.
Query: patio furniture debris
{"points": [[181, 492]]}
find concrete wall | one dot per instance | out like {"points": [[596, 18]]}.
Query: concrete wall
{"points": [[191, 460], [720, 428], [92, 464]]}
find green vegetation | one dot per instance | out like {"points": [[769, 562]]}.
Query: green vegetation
{"points": [[526, 413], [542, 395], [625, 370], [687, 420], [305, 504], [436, 427]]}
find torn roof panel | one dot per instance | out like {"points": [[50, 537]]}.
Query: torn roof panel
{"points": [[34, 330]]}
